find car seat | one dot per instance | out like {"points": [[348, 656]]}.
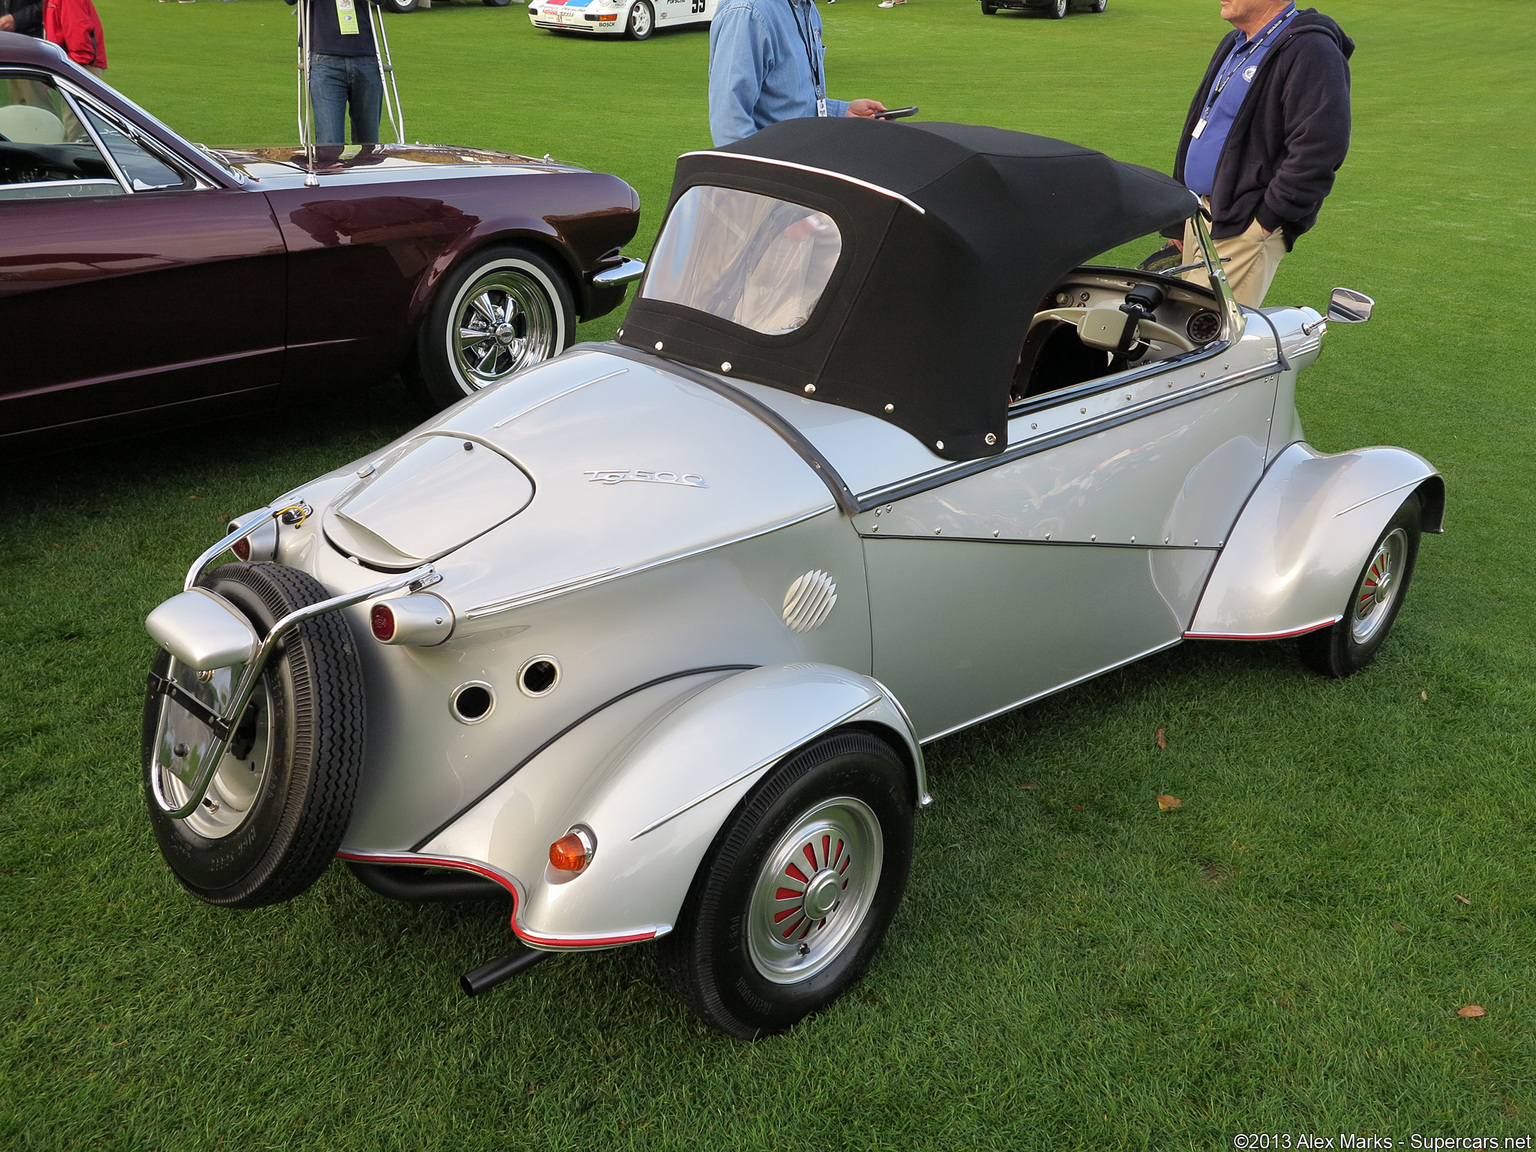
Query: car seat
{"points": [[24, 124]]}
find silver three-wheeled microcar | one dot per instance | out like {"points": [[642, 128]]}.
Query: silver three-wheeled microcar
{"points": [[651, 636]]}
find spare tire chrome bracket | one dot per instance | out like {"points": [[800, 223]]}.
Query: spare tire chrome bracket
{"points": [[222, 725]]}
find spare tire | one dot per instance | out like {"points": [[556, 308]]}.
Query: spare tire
{"points": [[281, 798]]}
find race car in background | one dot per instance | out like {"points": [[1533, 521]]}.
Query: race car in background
{"points": [[636, 19]]}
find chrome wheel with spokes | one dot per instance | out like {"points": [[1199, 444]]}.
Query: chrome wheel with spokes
{"points": [[505, 321], [814, 889], [796, 894], [500, 310], [1351, 644]]}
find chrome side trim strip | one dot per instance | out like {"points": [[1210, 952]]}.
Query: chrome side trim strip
{"points": [[571, 727], [537, 594], [1316, 625], [1379, 495], [523, 600], [843, 176], [922, 483], [758, 767], [873, 536], [556, 396], [1156, 648], [511, 884]]}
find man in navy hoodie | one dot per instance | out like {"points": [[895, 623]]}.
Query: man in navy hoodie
{"points": [[1267, 130]]}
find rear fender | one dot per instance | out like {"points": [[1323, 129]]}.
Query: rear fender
{"points": [[655, 795], [1299, 544]]}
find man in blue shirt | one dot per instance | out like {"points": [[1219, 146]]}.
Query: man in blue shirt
{"points": [[1268, 128], [766, 64], [343, 70]]}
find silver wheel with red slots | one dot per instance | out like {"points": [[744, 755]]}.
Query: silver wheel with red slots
{"points": [[798, 889], [1373, 605], [814, 889]]}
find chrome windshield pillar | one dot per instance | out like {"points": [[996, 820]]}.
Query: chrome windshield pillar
{"points": [[1231, 310]]}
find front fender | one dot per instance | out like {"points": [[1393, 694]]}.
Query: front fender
{"points": [[654, 782], [599, 214], [1299, 544]]}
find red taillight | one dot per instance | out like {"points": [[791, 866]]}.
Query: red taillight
{"points": [[242, 548], [573, 851], [382, 621]]}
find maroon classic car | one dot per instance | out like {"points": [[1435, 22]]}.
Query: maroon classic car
{"points": [[145, 280]]}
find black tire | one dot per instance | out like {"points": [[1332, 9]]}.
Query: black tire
{"points": [[528, 294], [305, 730], [1097, 6], [495, 3], [711, 957], [989, 9], [1352, 643], [1056, 9], [641, 21], [398, 7]]}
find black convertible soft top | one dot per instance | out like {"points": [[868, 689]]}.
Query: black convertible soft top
{"points": [[951, 236]]}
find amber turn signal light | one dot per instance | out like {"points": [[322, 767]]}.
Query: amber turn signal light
{"points": [[573, 851]]}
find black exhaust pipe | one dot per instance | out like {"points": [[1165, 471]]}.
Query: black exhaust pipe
{"points": [[499, 970], [418, 885]]}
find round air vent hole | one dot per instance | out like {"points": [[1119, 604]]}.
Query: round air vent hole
{"points": [[539, 676], [472, 702]]}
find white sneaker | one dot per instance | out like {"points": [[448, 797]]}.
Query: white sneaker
{"points": [[889, 3]]}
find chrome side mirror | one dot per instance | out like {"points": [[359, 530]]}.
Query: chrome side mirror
{"points": [[1346, 306]]}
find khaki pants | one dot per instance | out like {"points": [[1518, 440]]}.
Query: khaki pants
{"points": [[1251, 259]]}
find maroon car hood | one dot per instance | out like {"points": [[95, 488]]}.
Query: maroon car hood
{"points": [[361, 162]]}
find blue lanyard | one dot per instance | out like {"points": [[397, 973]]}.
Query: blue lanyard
{"points": [[1241, 56]]}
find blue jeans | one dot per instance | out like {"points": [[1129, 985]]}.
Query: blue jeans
{"points": [[335, 82]]}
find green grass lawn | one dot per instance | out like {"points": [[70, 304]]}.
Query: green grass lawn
{"points": [[1072, 967]]}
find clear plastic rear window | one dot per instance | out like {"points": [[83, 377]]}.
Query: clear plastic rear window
{"points": [[753, 260]]}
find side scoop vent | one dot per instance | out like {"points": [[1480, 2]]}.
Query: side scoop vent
{"points": [[809, 601]]}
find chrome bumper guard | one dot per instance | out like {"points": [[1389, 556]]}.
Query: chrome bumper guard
{"points": [[627, 271], [199, 771]]}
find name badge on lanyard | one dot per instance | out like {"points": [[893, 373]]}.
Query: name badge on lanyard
{"points": [[810, 36], [346, 16]]}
